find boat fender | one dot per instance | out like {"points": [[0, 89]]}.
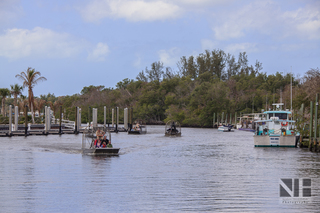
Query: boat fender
{"points": [[284, 124]]}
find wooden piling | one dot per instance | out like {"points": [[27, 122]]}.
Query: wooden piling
{"points": [[311, 125], [316, 122], [214, 119], [10, 120], [76, 122], [60, 120], [117, 118], [104, 116], [26, 121]]}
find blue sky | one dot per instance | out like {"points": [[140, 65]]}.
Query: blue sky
{"points": [[77, 43]]}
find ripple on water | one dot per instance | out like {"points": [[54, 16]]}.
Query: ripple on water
{"points": [[204, 170]]}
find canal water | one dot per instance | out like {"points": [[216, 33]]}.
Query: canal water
{"points": [[204, 170]]}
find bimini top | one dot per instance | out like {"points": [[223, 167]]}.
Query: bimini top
{"points": [[278, 111], [272, 120]]}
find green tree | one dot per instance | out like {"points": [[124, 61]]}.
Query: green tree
{"points": [[16, 90], [4, 93], [30, 78]]}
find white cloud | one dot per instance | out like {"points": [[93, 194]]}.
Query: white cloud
{"points": [[131, 10], [257, 16], [39, 42], [305, 22], [268, 18], [169, 57], [45, 43], [99, 53], [241, 47]]}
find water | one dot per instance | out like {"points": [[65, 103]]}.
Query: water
{"points": [[204, 170]]}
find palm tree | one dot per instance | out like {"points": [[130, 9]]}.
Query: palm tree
{"points": [[4, 92], [15, 91], [22, 102], [30, 78]]}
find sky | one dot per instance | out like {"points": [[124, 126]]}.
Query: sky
{"points": [[78, 43]]}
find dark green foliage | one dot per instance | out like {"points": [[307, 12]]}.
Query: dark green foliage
{"points": [[212, 82]]}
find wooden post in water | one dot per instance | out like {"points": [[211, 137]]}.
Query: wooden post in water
{"points": [[226, 119], [214, 119], [125, 119], [311, 125], [112, 117], [76, 122], [131, 118], [316, 123], [235, 120], [231, 118], [108, 117], [60, 120], [117, 118], [218, 120], [104, 116], [16, 118], [26, 121], [10, 120], [222, 117]]}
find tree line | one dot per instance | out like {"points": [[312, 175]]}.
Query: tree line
{"points": [[212, 82]]}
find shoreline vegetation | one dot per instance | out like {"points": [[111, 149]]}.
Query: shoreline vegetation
{"points": [[212, 82]]}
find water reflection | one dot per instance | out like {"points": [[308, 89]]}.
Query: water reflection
{"points": [[204, 170]]}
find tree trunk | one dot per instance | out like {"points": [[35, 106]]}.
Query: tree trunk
{"points": [[15, 100], [32, 115], [2, 111]]}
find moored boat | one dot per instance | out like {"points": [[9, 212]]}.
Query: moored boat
{"points": [[275, 129], [226, 128]]}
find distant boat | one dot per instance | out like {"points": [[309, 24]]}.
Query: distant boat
{"points": [[274, 130], [225, 128], [172, 128], [138, 128]]}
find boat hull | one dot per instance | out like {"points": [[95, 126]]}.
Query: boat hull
{"points": [[136, 132], [225, 129], [104, 151], [173, 134], [275, 141]]}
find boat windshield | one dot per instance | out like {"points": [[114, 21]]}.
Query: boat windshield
{"points": [[282, 116]]}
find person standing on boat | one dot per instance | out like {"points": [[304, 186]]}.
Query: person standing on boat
{"points": [[99, 134]]}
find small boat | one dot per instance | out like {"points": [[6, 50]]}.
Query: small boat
{"points": [[172, 128], [89, 145], [138, 128], [275, 129], [226, 128]]}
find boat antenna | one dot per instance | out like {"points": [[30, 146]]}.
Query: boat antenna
{"points": [[273, 96], [291, 88], [281, 94]]}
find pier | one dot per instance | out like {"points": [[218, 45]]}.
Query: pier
{"points": [[52, 125], [308, 125]]}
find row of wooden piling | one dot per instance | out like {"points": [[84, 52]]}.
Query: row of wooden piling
{"points": [[223, 118], [311, 140], [128, 114]]}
